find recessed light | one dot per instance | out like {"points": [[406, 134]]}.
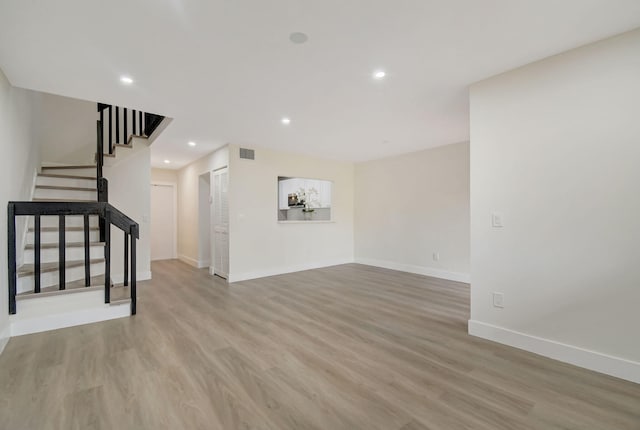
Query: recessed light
{"points": [[298, 38], [192, 144], [126, 80], [379, 74], [167, 161], [285, 121]]}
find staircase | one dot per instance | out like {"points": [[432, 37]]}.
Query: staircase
{"points": [[64, 277], [62, 184], [50, 295]]}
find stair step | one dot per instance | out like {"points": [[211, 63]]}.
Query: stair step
{"points": [[90, 166], [67, 245], [95, 282], [58, 187], [43, 229], [53, 175], [29, 270], [37, 199], [118, 294]]}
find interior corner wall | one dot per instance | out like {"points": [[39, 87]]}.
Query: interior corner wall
{"points": [[259, 245], [412, 212], [20, 113], [166, 176], [68, 129], [188, 240], [555, 151], [130, 192]]}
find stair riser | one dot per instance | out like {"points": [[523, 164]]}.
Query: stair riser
{"points": [[70, 236], [71, 172], [49, 279], [50, 255], [65, 194], [70, 221], [66, 182]]}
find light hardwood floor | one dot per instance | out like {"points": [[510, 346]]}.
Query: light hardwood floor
{"points": [[346, 347]]}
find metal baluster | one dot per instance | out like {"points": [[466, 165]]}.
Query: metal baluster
{"points": [[36, 253], [126, 259], [124, 132], [87, 253], [61, 252], [107, 257], [134, 235], [11, 241]]}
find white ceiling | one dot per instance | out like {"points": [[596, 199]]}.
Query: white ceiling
{"points": [[226, 71]]}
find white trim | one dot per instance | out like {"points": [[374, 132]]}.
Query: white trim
{"points": [[118, 278], [198, 264], [25, 232], [419, 270], [70, 319], [236, 277], [4, 336], [175, 212], [592, 360]]}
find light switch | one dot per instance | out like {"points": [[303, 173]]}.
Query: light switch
{"points": [[497, 220]]}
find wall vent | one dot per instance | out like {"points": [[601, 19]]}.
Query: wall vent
{"points": [[247, 154]]}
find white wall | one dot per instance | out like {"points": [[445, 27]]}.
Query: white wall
{"points": [[555, 148], [412, 206], [188, 238], [164, 176], [68, 130], [19, 120], [259, 244], [130, 191]]}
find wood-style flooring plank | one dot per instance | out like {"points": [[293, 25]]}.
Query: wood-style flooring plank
{"points": [[339, 348]]}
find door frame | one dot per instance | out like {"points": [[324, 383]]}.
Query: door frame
{"points": [[214, 172], [174, 186]]}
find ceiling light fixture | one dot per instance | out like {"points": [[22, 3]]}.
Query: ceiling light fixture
{"points": [[379, 74], [285, 121], [192, 143], [298, 38], [167, 161], [126, 80]]}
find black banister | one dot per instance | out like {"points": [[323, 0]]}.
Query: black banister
{"points": [[11, 255], [104, 210], [117, 130], [36, 255], [87, 252], [62, 247]]}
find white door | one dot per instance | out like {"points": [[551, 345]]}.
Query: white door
{"points": [[162, 222], [221, 223]]}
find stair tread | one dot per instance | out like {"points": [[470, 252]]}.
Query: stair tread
{"points": [[95, 281], [90, 166], [60, 187], [67, 245], [28, 269], [53, 175], [39, 199], [43, 229], [118, 294]]}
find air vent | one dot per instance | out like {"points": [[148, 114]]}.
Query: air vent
{"points": [[247, 154]]}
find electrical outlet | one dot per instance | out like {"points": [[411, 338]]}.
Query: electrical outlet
{"points": [[498, 300], [436, 256], [497, 220]]}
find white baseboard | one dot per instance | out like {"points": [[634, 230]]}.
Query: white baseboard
{"points": [[198, 264], [4, 337], [236, 277], [596, 361], [118, 278], [419, 270], [69, 319]]}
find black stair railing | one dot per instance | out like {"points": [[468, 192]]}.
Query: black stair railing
{"points": [[120, 124], [110, 214]]}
